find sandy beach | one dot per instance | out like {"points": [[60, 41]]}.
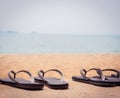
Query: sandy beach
{"points": [[69, 64]]}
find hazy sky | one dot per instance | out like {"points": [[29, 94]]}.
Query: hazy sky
{"points": [[61, 16]]}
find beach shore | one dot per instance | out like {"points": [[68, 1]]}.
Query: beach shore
{"points": [[69, 64]]}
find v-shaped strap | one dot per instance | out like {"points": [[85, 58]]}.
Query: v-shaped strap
{"points": [[41, 74], [83, 72], [12, 75], [113, 70]]}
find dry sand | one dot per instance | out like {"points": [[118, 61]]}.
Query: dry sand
{"points": [[69, 64]]}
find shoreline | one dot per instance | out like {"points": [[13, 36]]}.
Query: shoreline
{"points": [[7, 54]]}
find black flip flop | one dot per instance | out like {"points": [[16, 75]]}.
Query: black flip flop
{"points": [[99, 80], [113, 77], [20, 82], [52, 82]]}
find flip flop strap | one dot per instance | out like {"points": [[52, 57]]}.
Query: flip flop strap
{"points": [[13, 78], [41, 74], [83, 72], [113, 70]]}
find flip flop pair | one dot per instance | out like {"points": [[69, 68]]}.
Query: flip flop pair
{"points": [[34, 83], [100, 79]]}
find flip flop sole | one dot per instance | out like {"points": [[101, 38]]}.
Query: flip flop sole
{"points": [[23, 85], [53, 83], [96, 81]]}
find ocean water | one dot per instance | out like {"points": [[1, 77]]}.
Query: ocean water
{"points": [[16, 43]]}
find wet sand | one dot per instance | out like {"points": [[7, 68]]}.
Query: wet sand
{"points": [[69, 64]]}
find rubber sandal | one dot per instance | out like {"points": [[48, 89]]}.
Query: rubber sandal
{"points": [[99, 80], [52, 82], [13, 81], [113, 77]]}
